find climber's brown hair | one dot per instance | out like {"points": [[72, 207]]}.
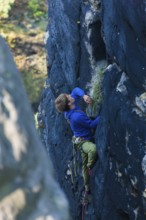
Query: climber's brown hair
{"points": [[61, 103]]}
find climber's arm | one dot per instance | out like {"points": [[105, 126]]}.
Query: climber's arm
{"points": [[85, 121], [77, 92]]}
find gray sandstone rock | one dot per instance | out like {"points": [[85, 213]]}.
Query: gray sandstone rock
{"points": [[28, 189]]}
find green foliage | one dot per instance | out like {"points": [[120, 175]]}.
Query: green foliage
{"points": [[5, 7], [37, 8], [24, 32], [96, 94], [34, 85], [97, 90]]}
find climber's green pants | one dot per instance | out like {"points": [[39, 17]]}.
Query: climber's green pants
{"points": [[89, 155]]}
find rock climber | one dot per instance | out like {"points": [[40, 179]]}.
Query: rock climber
{"points": [[82, 127]]}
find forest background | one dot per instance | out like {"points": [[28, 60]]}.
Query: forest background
{"points": [[23, 24]]}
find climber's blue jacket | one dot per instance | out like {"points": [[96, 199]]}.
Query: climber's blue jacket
{"points": [[80, 123]]}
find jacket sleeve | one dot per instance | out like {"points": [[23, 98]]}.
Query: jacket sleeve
{"points": [[85, 121], [77, 92]]}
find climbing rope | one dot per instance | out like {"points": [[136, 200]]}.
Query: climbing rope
{"points": [[82, 212], [84, 203]]}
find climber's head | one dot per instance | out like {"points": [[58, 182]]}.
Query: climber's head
{"points": [[64, 102]]}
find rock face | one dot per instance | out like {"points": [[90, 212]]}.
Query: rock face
{"points": [[80, 36], [28, 189]]}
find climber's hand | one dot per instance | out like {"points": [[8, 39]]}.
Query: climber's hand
{"points": [[87, 99]]}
